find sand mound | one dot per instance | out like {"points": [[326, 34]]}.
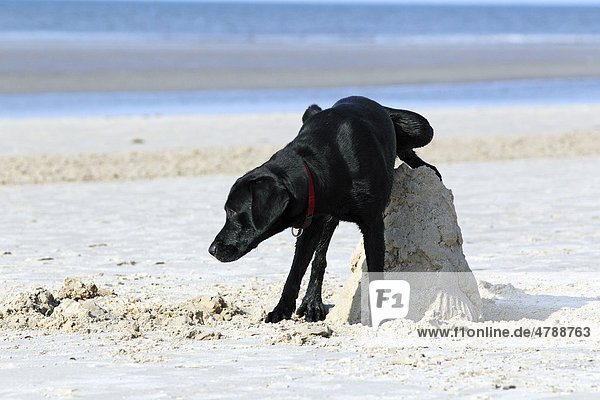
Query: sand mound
{"points": [[40, 301], [78, 307], [423, 247], [84, 308], [76, 290]]}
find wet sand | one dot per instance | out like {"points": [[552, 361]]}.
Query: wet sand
{"points": [[51, 66]]}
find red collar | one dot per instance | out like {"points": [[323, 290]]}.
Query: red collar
{"points": [[310, 209]]}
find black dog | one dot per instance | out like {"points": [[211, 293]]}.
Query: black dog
{"points": [[339, 167]]}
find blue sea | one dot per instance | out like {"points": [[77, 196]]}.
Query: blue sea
{"points": [[181, 22]]}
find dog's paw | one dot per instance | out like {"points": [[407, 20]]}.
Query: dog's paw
{"points": [[312, 311], [435, 170], [279, 313]]}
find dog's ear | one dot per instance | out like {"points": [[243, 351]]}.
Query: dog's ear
{"points": [[269, 201], [310, 111]]}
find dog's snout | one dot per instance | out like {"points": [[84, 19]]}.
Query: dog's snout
{"points": [[224, 252], [213, 250]]}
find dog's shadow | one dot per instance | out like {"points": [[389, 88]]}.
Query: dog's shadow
{"points": [[504, 302]]}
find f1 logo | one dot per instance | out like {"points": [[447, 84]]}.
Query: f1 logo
{"points": [[388, 299]]}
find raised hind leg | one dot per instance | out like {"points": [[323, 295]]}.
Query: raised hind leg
{"points": [[414, 161]]}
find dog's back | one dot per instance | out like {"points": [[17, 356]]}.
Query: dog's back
{"points": [[411, 130], [351, 147], [360, 128]]}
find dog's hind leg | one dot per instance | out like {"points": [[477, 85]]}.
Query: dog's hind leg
{"points": [[305, 248], [312, 308], [373, 234], [412, 130], [414, 161]]}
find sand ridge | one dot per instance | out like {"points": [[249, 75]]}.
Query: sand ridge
{"points": [[169, 163]]}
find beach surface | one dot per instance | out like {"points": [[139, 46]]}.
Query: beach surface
{"points": [[132, 203], [49, 150], [54, 66], [124, 126]]}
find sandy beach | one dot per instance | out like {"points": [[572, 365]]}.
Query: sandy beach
{"points": [[132, 203], [115, 165], [125, 148], [55, 66]]}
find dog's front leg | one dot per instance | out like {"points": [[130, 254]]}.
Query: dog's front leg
{"points": [[305, 248], [312, 307]]}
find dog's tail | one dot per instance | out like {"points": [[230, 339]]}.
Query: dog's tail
{"points": [[412, 131]]}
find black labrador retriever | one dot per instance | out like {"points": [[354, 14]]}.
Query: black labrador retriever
{"points": [[339, 167]]}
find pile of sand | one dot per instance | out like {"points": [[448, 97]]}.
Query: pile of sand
{"points": [[84, 308], [423, 247], [137, 324]]}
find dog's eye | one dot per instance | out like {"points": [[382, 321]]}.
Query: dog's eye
{"points": [[231, 213]]}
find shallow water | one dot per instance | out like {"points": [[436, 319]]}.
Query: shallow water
{"points": [[108, 29], [517, 92]]}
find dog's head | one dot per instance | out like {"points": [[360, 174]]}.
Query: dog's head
{"points": [[254, 212]]}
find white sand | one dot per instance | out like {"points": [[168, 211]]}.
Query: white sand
{"points": [[124, 134], [125, 148], [530, 226]]}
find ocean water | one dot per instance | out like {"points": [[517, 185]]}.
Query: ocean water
{"points": [[480, 94], [187, 22], [245, 22]]}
